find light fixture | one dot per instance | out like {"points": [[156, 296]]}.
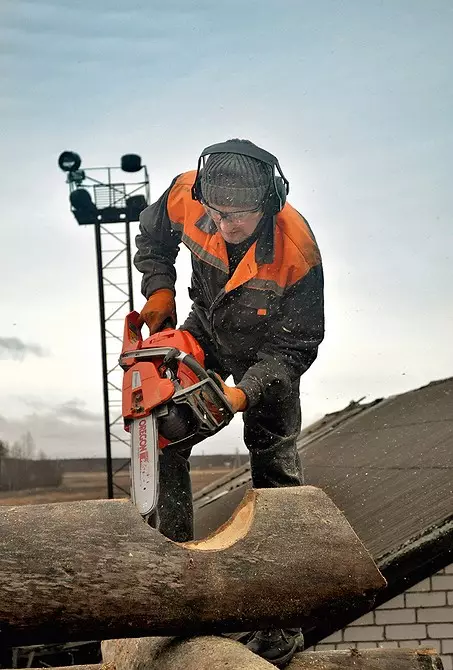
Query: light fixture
{"points": [[69, 161], [131, 163]]}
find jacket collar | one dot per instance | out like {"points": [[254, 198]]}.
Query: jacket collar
{"points": [[206, 224], [264, 252]]}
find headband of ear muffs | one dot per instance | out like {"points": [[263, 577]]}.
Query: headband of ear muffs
{"points": [[279, 185]]}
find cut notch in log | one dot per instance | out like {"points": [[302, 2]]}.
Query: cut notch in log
{"points": [[68, 569], [233, 530]]}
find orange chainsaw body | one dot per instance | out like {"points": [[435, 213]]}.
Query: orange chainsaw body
{"points": [[138, 400]]}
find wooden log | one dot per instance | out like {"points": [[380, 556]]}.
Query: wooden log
{"points": [[67, 570], [175, 653], [212, 653], [367, 659]]}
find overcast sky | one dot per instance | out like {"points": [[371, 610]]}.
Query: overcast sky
{"points": [[355, 98]]}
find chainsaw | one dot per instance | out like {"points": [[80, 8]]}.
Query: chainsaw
{"points": [[169, 401]]}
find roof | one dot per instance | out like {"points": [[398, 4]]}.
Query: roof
{"points": [[388, 465]]}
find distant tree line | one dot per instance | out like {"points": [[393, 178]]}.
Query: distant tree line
{"points": [[22, 467]]}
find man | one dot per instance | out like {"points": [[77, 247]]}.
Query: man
{"points": [[257, 312]]}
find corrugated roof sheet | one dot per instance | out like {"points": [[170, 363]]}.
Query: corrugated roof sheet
{"points": [[387, 465]]}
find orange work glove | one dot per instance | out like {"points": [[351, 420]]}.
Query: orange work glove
{"points": [[159, 308], [236, 397]]}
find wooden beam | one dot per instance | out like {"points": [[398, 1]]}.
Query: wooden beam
{"points": [[210, 653], [286, 557], [367, 659]]}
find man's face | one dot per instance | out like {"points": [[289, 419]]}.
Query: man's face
{"points": [[234, 226]]}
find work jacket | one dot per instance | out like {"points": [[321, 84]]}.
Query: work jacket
{"points": [[268, 315]]}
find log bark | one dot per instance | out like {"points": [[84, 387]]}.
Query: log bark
{"points": [[173, 653], [367, 659], [71, 571]]}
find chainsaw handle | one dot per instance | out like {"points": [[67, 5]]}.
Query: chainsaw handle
{"points": [[215, 379], [192, 364], [195, 366]]}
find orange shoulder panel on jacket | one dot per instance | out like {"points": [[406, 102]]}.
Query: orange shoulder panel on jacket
{"points": [[181, 207], [184, 211], [296, 252]]}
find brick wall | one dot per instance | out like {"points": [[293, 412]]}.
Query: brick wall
{"points": [[420, 617]]}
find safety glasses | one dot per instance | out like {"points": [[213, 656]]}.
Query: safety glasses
{"points": [[231, 216]]}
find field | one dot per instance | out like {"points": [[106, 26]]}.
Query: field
{"points": [[93, 486]]}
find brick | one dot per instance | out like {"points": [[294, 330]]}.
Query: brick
{"points": [[413, 631], [447, 646], [398, 601], [432, 599], [335, 637], [440, 630], [450, 597], [429, 614], [447, 662], [367, 645], [387, 645], [365, 620], [395, 616], [424, 585], [408, 644], [431, 644], [442, 583], [363, 633], [449, 569]]}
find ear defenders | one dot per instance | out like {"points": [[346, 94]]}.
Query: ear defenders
{"points": [[278, 187]]}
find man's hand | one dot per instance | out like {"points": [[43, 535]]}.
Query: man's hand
{"points": [[236, 397], [159, 308]]}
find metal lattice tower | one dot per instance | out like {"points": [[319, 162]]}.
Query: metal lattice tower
{"points": [[118, 302], [105, 198]]}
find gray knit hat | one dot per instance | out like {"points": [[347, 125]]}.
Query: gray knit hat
{"points": [[235, 180]]}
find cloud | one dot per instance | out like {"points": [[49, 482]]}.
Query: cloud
{"points": [[61, 430], [73, 410], [56, 437], [13, 347]]}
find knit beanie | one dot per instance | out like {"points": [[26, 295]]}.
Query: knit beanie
{"points": [[235, 180]]}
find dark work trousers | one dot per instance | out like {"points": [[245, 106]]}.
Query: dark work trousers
{"points": [[270, 432]]}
